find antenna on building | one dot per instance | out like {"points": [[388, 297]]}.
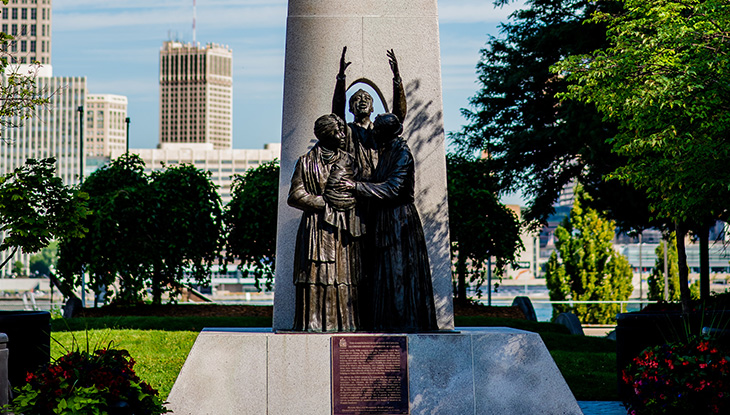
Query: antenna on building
{"points": [[194, 15]]}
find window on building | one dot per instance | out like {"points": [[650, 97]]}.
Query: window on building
{"points": [[23, 13], [5, 13], [33, 14], [5, 28], [32, 30], [15, 13], [32, 45], [15, 30], [23, 30]]}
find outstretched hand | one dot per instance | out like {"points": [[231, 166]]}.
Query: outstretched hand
{"points": [[343, 62], [393, 64]]}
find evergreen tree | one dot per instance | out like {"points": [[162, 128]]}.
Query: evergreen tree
{"points": [[585, 267], [656, 279]]}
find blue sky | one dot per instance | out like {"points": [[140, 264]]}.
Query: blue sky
{"points": [[116, 44]]}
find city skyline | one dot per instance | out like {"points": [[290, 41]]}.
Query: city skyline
{"points": [[116, 46]]}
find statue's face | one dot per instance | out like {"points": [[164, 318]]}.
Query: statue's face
{"points": [[334, 137], [361, 103]]}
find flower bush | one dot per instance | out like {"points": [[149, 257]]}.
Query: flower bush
{"points": [[679, 378], [97, 383]]}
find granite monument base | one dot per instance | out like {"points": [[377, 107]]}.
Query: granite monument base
{"points": [[471, 371]]}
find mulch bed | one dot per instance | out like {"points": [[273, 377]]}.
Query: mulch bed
{"points": [[221, 310]]}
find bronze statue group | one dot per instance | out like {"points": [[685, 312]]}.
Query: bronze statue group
{"points": [[360, 261]]}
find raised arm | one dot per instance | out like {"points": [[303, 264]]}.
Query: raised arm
{"points": [[299, 197], [400, 108], [339, 98]]}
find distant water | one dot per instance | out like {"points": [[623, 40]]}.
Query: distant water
{"points": [[543, 311]]}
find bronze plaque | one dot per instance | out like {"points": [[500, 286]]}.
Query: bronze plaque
{"points": [[369, 375]]}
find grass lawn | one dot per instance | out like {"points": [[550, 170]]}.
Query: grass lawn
{"points": [[160, 346]]}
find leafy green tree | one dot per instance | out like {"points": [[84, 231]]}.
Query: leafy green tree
{"points": [[480, 226], [147, 231], [250, 222], [186, 228], [664, 80], [18, 270], [536, 143], [116, 249], [36, 207], [44, 261], [585, 267]]}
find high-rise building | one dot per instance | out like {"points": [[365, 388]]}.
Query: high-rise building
{"points": [[196, 94], [29, 21], [52, 132], [105, 127]]}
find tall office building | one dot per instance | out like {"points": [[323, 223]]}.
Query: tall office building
{"points": [[52, 132], [29, 21], [196, 94], [105, 128]]}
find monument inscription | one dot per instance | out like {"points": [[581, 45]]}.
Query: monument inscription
{"points": [[369, 375]]}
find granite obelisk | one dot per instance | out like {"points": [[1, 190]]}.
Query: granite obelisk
{"points": [[317, 30]]}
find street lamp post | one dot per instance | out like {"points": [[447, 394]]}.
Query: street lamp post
{"points": [[127, 120], [80, 109]]}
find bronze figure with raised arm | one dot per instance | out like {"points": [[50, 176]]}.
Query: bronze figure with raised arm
{"points": [[359, 141], [402, 292]]}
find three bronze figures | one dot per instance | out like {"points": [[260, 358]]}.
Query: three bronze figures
{"points": [[360, 261]]}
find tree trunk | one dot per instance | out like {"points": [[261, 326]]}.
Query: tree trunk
{"points": [[461, 280], [156, 289], [684, 294], [704, 236]]}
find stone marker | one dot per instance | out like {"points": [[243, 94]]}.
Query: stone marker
{"points": [[570, 321], [481, 371], [316, 33]]}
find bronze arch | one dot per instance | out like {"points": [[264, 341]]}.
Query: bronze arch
{"points": [[373, 86]]}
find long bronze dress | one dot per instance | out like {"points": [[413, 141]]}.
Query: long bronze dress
{"points": [[327, 254], [402, 288]]}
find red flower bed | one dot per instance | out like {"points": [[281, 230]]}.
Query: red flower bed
{"points": [[681, 378], [101, 382]]}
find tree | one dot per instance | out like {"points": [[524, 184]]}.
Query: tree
{"points": [[250, 222], [656, 279], [585, 267], [117, 245], [664, 80], [480, 226], [36, 207], [18, 270], [536, 143], [147, 231], [186, 228], [44, 262]]}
